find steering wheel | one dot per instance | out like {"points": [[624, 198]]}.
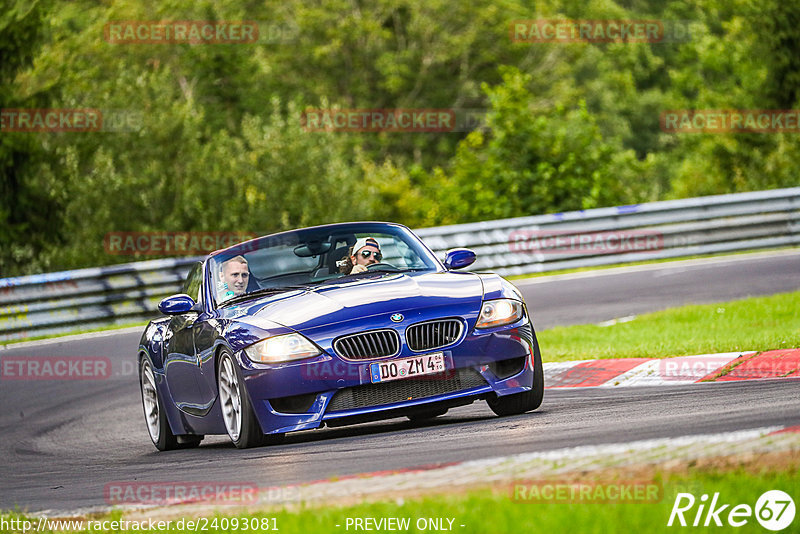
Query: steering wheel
{"points": [[382, 267]]}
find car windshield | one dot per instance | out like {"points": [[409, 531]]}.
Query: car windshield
{"points": [[312, 256]]}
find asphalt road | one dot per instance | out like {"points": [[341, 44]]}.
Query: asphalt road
{"points": [[63, 441]]}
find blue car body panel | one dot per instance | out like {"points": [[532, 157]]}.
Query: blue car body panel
{"points": [[183, 349]]}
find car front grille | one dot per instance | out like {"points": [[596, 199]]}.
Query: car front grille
{"points": [[433, 334], [382, 393], [368, 345]]}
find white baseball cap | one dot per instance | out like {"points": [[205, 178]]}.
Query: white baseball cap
{"points": [[364, 242]]}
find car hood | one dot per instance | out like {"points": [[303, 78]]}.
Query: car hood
{"points": [[366, 296]]}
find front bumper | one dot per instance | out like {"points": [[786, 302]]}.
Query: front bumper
{"points": [[330, 390]]}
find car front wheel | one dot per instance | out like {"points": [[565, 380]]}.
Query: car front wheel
{"points": [[526, 401], [154, 416], [237, 412]]}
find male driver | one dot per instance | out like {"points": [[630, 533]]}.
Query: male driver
{"points": [[234, 275], [365, 252]]}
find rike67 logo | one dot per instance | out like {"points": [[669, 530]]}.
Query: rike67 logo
{"points": [[774, 510]]}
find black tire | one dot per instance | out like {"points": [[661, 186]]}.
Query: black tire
{"points": [[158, 426], [189, 441], [424, 416], [522, 402], [154, 415], [230, 387]]}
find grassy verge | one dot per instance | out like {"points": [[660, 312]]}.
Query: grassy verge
{"points": [[759, 323], [512, 508]]}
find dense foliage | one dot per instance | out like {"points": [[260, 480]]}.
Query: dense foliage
{"points": [[214, 139]]}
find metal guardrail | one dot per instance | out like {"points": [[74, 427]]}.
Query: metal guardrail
{"points": [[687, 227], [86, 298], [61, 302]]}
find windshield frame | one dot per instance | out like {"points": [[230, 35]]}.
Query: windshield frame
{"points": [[297, 235]]}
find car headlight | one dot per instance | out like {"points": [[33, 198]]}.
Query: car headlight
{"points": [[283, 348], [499, 312]]}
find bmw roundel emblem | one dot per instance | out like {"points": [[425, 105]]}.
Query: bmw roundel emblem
{"points": [[397, 317]]}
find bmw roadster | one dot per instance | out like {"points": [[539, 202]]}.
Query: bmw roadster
{"points": [[332, 325]]}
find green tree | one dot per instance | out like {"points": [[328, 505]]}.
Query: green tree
{"points": [[742, 58], [29, 214], [532, 161], [218, 143]]}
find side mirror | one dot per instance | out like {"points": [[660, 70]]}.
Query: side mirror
{"points": [[176, 304], [458, 258]]}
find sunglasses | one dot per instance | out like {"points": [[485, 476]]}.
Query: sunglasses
{"points": [[366, 253]]}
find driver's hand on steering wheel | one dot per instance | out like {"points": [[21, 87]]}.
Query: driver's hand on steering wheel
{"points": [[358, 269]]}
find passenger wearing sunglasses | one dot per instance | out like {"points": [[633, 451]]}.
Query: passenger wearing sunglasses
{"points": [[365, 252]]}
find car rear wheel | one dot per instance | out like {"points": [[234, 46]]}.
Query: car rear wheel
{"points": [[154, 416], [237, 412], [522, 402]]}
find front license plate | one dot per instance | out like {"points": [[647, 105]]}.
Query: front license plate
{"points": [[417, 366]]}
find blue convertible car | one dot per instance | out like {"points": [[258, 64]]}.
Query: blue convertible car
{"points": [[332, 325]]}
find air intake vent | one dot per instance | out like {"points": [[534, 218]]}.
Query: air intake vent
{"points": [[369, 395], [368, 345], [433, 334]]}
